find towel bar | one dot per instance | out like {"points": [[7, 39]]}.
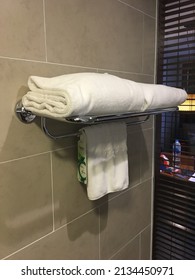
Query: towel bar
{"points": [[28, 117], [56, 137]]}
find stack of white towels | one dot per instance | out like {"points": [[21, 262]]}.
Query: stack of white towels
{"points": [[99, 94]]}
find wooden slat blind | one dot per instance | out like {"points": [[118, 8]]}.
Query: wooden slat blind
{"points": [[175, 225], [174, 199], [177, 44]]}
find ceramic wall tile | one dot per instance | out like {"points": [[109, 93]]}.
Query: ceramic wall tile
{"points": [[145, 243], [129, 252], [149, 46], [78, 240], [26, 202], [22, 29], [75, 35], [148, 7], [129, 212]]}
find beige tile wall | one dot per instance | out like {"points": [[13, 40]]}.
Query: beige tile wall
{"points": [[44, 211]]}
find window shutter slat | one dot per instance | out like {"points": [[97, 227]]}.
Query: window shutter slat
{"points": [[174, 198]]}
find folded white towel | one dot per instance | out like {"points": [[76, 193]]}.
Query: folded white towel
{"points": [[107, 160], [95, 94], [81, 94]]}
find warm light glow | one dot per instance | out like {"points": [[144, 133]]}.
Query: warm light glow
{"points": [[189, 104]]}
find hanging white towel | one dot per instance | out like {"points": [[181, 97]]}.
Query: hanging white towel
{"points": [[106, 158]]}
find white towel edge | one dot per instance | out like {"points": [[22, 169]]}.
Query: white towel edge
{"points": [[108, 192]]}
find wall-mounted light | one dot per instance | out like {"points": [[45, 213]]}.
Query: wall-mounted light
{"points": [[189, 104]]}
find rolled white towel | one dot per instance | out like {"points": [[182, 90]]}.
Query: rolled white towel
{"points": [[81, 94], [161, 96], [95, 94]]}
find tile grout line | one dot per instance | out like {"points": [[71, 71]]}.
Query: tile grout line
{"points": [[129, 133], [38, 154], [47, 152], [156, 43], [140, 165], [28, 245], [128, 242], [124, 72], [74, 66], [47, 62], [140, 244], [48, 234], [52, 191], [126, 190], [61, 227], [99, 211], [142, 12], [143, 42], [45, 30]]}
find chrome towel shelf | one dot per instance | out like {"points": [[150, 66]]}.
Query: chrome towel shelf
{"points": [[28, 117], [56, 137]]}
